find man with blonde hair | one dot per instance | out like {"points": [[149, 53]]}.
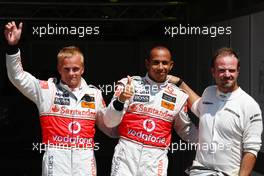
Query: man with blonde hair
{"points": [[68, 109]]}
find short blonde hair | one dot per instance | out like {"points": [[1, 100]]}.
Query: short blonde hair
{"points": [[69, 51]]}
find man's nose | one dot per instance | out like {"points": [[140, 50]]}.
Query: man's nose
{"points": [[161, 65], [227, 73], [71, 72]]}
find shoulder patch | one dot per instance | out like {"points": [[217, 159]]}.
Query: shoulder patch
{"points": [[43, 84]]}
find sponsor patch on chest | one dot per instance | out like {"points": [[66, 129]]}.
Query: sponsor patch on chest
{"points": [[62, 98], [90, 105], [88, 102], [62, 101], [168, 98], [141, 98], [88, 98], [167, 105], [208, 102]]}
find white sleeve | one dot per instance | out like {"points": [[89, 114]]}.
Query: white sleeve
{"points": [[26, 83], [101, 109], [113, 117], [253, 129], [185, 128], [195, 107]]}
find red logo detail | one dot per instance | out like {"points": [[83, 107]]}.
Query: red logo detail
{"points": [[44, 84], [74, 127], [133, 107], [55, 108], [149, 124], [170, 90]]}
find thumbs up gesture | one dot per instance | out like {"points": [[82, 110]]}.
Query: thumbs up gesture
{"points": [[128, 91]]}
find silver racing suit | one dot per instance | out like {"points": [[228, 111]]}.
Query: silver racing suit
{"points": [[145, 125], [67, 120]]}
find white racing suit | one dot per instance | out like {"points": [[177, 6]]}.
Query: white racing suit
{"points": [[67, 120], [230, 124], [145, 125]]}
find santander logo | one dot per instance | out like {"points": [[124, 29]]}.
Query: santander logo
{"points": [[133, 107], [55, 108], [73, 112]]}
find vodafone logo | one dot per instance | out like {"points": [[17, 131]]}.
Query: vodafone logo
{"points": [[149, 125], [74, 127]]}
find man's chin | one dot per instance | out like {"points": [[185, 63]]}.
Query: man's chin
{"points": [[161, 79], [73, 84], [228, 86]]}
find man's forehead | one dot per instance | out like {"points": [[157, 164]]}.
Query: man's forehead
{"points": [[157, 51], [71, 66], [160, 54], [160, 59], [226, 59]]}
